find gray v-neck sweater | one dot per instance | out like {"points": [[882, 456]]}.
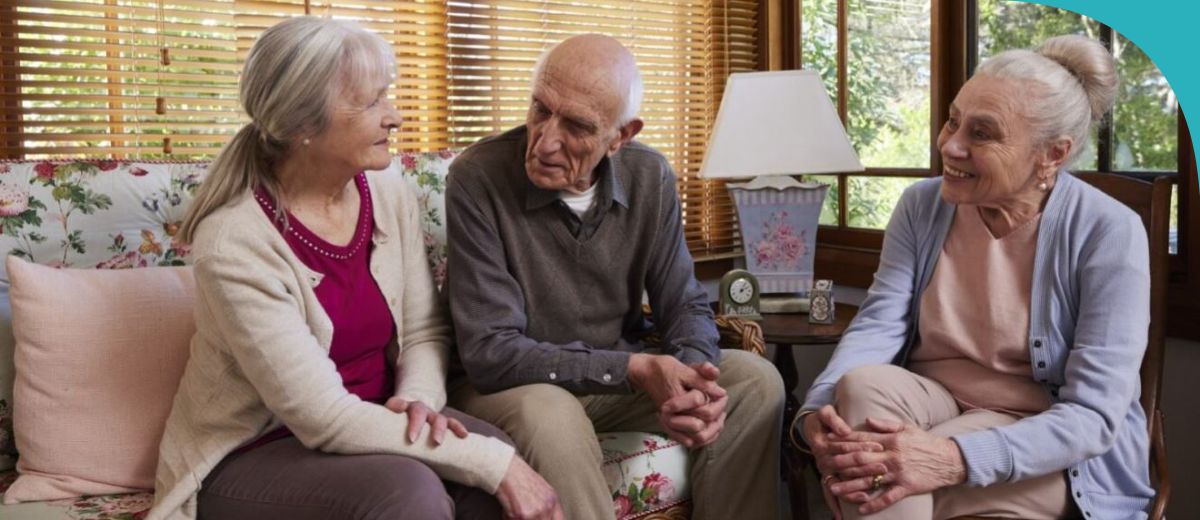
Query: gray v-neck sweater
{"points": [[534, 301]]}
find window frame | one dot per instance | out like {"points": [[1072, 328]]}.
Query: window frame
{"points": [[850, 256]]}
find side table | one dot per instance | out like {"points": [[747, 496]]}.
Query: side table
{"points": [[785, 331]]}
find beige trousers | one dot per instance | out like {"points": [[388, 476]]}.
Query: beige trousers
{"points": [[891, 392], [737, 476]]}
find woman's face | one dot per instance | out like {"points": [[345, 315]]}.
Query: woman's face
{"points": [[988, 151], [356, 138]]}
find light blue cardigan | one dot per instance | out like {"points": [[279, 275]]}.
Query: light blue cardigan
{"points": [[1088, 319]]}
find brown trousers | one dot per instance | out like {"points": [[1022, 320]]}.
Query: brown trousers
{"points": [[891, 392], [735, 477], [285, 480]]}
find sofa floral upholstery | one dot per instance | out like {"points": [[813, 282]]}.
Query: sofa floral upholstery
{"points": [[125, 214]]}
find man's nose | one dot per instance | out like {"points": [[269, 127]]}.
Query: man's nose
{"points": [[550, 140]]}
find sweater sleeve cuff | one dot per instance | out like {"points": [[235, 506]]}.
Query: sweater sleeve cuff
{"points": [[818, 396], [987, 456], [434, 400], [500, 456], [694, 356]]}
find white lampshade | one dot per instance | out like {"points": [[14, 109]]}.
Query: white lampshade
{"points": [[777, 123]]}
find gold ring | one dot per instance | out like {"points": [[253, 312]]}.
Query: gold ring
{"points": [[876, 482], [827, 480]]}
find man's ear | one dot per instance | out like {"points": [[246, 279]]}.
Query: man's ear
{"points": [[625, 134], [1057, 152]]}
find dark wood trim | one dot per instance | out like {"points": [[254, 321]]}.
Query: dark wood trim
{"points": [[1182, 304], [843, 53], [896, 172], [971, 46], [10, 108], [950, 47], [843, 213], [846, 266], [773, 34], [843, 97], [793, 27], [858, 238], [779, 27], [1105, 131], [714, 268], [1189, 207]]}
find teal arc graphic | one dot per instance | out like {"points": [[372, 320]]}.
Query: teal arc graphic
{"points": [[1163, 29]]}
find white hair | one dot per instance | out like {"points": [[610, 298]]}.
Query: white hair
{"points": [[631, 102], [291, 79], [1075, 82]]}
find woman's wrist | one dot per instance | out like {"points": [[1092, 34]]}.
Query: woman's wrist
{"points": [[796, 431], [955, 463]]}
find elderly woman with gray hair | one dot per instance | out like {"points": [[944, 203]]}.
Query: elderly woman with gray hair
{"points": [[316, 383], [993, 368]]}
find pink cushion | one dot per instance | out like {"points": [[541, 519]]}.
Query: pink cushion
{"points": [[98, 358]]}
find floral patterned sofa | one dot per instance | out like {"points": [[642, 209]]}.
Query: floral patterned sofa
{"points": [[120, 214]]}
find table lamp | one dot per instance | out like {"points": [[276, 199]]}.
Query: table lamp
{"points": [[771, 126]]}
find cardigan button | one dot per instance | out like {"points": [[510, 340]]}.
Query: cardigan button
{"points": [[1041, 364], [1074, 473], [1037, 343], [607, 378], [553, 376]]}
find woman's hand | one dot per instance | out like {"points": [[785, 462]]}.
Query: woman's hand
{"points": [[525, 495], [913, 462], [419, 415], [826, 432]]}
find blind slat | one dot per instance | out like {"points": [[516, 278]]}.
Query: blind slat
{"points": [[83, 77]]}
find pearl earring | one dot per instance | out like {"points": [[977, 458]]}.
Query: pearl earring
{"points": [[1043, 186], [306, 141]]}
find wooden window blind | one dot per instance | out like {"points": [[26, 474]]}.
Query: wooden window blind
{"points": [[685, 50], [91, 77], [158, 78], [417, 31]]}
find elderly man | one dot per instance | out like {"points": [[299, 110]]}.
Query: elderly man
{"points": [[556, 229]]}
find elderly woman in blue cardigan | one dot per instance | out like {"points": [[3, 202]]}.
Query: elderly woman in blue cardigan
{"points": [[993, 368]]}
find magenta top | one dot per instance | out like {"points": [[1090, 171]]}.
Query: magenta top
{"points": [[362, 322]]}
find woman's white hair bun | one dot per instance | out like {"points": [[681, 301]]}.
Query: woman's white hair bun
{"points": [[1090, 63]]}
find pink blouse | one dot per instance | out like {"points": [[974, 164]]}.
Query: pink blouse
{"points": [[974, 317]]}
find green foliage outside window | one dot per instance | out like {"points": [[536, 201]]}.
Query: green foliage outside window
{"points": [[888, 91], [888, 95]]}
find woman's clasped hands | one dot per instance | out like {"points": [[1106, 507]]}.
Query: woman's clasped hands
{"points": [[882, 465]]}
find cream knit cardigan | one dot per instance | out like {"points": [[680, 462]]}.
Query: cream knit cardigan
{"points": [[260, 356]]}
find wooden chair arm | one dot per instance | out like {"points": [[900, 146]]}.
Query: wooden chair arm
{"points": [[1158, 457], [736, 333]]}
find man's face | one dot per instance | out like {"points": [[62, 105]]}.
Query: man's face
{"points": [[572, 125]]}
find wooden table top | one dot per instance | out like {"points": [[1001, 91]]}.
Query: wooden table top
{"points": [[794, 329]]}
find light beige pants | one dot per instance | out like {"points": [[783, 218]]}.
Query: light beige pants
{"points": [[735, 477], [891, 392]]}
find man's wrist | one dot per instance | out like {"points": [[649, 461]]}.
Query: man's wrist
{"points": [[635, 371]]}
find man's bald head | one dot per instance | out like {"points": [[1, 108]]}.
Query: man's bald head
{"points": [[586, 93], [598, 65]]}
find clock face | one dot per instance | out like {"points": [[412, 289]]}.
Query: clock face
{"points": [[741, 291]]}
